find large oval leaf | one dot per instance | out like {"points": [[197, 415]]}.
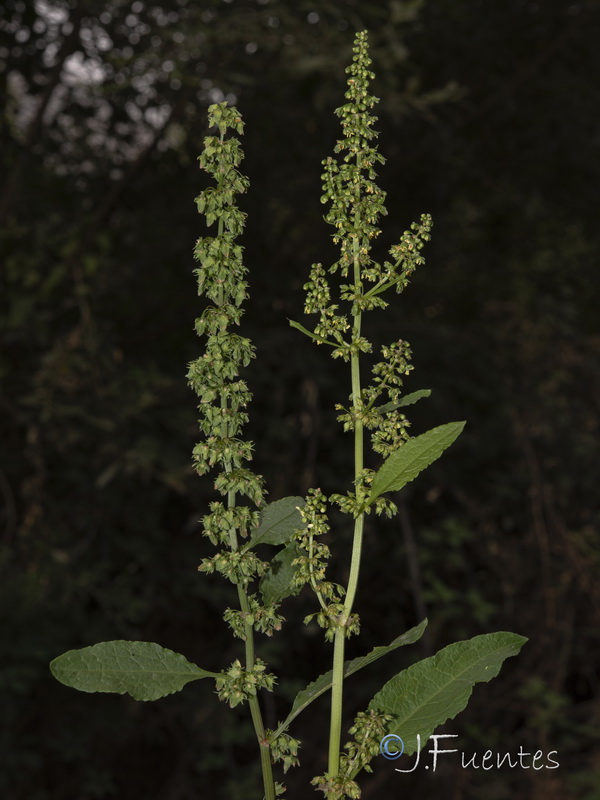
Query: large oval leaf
{"points": [[436, 689], [413, 457], [144, 670], [278, 522], [276, 583]]}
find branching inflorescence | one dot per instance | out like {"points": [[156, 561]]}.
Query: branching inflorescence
{"points": [[355, 205], [412, 704]]}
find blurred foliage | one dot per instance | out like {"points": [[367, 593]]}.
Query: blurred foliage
{"points": [[489, 122]]}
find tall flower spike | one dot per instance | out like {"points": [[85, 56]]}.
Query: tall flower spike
{"points": [[349, 184], [214, 376]]}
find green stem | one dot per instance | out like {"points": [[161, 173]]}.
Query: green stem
{"points": [[337, 685], [381, 287], [255, 712]]}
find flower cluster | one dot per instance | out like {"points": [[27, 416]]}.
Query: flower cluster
{"points": [[310, 567], [368, 729], [237, 684], [284, 748], [312, 563], [261, 617], [240, 568]]}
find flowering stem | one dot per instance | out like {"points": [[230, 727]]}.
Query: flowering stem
{"points": [[224, 397], [340, 634]]}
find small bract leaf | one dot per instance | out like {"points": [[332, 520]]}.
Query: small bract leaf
{"points": [[323, 682], [436, 689], [413, 457], [315, 336], [144, 670], [275, 585], [278, 522], [407, 400]]}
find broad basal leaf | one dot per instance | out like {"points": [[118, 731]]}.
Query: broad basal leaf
{"points": [[144, 670], [413, 457], [278, 522], [323, 682], [428, 693], [275, 585]]}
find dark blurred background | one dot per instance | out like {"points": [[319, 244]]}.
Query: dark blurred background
{"points": [[489, 119]]}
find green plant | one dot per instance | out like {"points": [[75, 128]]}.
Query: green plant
{"points": [[425, 695]]}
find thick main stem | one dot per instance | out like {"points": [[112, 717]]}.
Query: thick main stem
{"points": [[337, 686]]}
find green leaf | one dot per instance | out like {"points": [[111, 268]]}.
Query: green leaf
{"points": [[278, 523], [312, 335], [413, 457], [144, 670], [323, 682], [436, 689], [275, 585], [407, 400]]}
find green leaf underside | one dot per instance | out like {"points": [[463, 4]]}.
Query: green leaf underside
{"points": [[144, 670], [407, 400], [413, 457], [275, 585], [426, 694], [323, 682], [278, 522]]}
